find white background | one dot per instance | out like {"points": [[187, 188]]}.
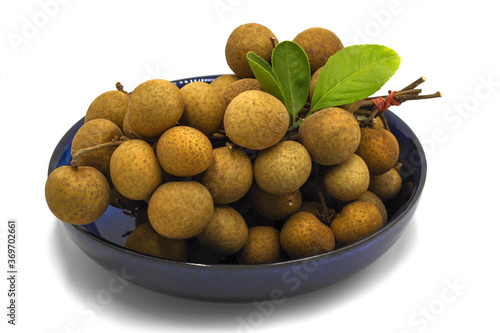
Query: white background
{"points": [[444, 265]]}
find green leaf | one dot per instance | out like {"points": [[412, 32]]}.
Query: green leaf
{"points": [[354, 73], [265, 75], [291, 66]]}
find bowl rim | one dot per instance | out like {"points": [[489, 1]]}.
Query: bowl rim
{"points": [[290, 262]]}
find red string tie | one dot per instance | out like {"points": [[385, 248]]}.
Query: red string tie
{"points": [[383, 104]]}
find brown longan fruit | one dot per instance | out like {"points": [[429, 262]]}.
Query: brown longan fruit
{"points": [[204, 107], [226, 233], [250, 37], [77, 195], [355, 221], [314, 80], [379, 148], [128, 131], [319, 44], [240, 86], [221, 83], [134, 169], [145, 239], [303, 235], [229, 176], [348, 180], [256, 120], [111, 105], [92, 133], [387, 185], [262, 246], [374, 199], [275, 206], [180, 209], [154, 106], [282, 168], [330, 135], [184, 151]]}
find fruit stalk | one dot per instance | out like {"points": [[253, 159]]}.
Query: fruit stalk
{"points": [[75, 154]]}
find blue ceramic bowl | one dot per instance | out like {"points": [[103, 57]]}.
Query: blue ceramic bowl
{"points": [[104, 241]]}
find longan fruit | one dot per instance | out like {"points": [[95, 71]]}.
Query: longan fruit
{"points": [[379, 148], [348, 180], [221, 83], [303, 235], [282, 168], [93, 133], [226, 233], [262, 246], [275, 206], [319, 44], [180, 209], [240, 86], [314, 80], [250, 37], [184, 151], [111, 105], [154, 106], [355, 221], [134, 169], [387, 185], [204, 107], [229, 176], [77, 195], [374, 199], [145, 239], [256, 120], [330, 135]]}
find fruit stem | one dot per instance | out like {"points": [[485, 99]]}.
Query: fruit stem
{"points": [[119, 87], [75, 154], [273, 41], [414, 84]]}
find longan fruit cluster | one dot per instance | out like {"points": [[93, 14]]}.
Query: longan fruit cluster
{"points": [[218, 172]]}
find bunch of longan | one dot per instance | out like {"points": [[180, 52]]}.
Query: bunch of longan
{"points": [[262, 196]]}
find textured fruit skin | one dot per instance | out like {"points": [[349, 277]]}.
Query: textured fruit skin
{"points": [[262, 246], [356, 220], [319, 44], [184, 151], [348, 180], [250, 37], [92, 133], [145, 239], [330, 135], [154, 106], [111, 105], [204, 107], [303, 235], [77, 195], [135, 171], [240, 86], [387, 185], [128, 131], [314, 80], [374, 199], [226, 232], [222, 82], [256, 120], [229, 176], [283, 168], [180, 210], [379, 148], [275, 206]]}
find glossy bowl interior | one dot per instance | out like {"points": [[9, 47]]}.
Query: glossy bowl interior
{"points": [[104, 241]]}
